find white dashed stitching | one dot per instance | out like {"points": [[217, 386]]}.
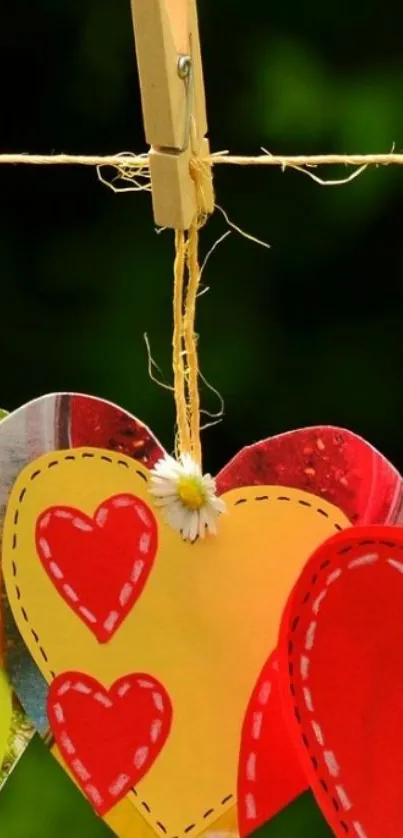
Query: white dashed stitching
{"points": [[141, 754], [366, 560]]}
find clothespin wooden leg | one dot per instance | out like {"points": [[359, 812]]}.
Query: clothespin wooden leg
{"points": [[174, 109]]}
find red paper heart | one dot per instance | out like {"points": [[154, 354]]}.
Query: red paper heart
{"points": [[344, 469], [332, 463], [108, 738], [341, 677], [99, 424], [99, 565], [269, 774]]}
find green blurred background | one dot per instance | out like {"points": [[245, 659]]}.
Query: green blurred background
{"points": [[305, 333]]}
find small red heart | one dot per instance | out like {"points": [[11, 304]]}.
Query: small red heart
{"points": [[269, 774], [108, 738], [341, 679], [99, 565]]}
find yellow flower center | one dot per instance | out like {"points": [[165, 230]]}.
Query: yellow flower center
{"points": [[191, 492]]}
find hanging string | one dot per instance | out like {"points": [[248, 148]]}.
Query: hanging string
{"points": [[194, 275], [187, 276], [182, 439]]}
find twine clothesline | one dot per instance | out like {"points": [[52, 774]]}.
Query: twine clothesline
{"points": [[140, 161]]}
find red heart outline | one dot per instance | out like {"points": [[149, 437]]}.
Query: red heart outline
{"points": [[267, 754], [99, 565], [341, 679], [346, 470], [109, 738], [332, 463]]}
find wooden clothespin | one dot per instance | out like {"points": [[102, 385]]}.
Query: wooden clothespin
{"points": [[174, 109]]}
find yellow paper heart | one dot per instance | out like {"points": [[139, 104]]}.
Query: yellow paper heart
{"points": [[203, 626]]}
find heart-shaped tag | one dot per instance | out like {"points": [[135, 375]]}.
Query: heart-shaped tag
{"points": [[267, 753], [119, 543], [205, 646], [108, 738], [341, 675], [184, 629]]}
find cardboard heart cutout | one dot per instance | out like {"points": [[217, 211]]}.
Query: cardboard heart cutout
{"points": [[341, 677], [109, 739], [331, 463], [184, 630], [267, 755]]}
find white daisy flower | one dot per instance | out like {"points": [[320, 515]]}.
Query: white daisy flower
{"points": [[188, 498]]}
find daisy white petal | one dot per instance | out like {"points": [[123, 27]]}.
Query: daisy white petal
{"points": [[188, 498], [206, 524], [163, 489]]}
